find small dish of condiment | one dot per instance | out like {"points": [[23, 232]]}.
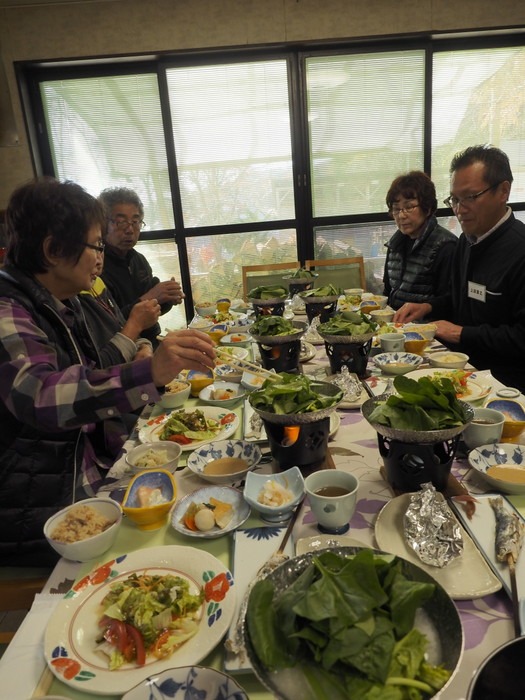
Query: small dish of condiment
{"points": [[224, 461]]}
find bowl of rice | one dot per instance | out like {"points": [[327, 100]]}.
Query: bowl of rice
{"points": [[176, 393], [84, 530], [154, 455]]}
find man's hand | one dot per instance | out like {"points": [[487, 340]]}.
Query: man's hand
{"points": [[185, 349], [169, 292], [411, 312], [448, 332]]}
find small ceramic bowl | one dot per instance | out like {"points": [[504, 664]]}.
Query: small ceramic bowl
{"points": [[237, 339], [415, 343], [378, 299], [187, 681], [514, 413], [427, 330], [93, 546], [397, 362], [251, 380], [212, 394], [497, 454], [176, 394], [217, 331], [155, 485], [448, 360], [239, 449], [156, 455], [382, 316], [205, 308], [198, 380], [291, 479]]}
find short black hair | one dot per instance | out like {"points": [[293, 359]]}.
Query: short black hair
{"points": [[413, 185], [497, 166], [46, 207]]}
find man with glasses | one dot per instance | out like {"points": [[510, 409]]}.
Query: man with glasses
{"points": [[127, 273], [485, 305]]}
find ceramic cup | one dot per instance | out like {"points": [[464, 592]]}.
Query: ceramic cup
{"points": [[332, 495], [392, 342], [485, 428]]}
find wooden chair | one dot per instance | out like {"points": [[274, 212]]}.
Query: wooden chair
{"points": [[341, 272], [269, 274], [16, 595]]}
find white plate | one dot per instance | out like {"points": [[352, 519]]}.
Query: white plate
{"points": [[312, 544], [309, 352], [151, 431], [241, 510], [466, 577], [232, 352], [249, 436], [73, 627], [229, 339], [253, 547], [482, 528], [238, 393], [477, 388]]}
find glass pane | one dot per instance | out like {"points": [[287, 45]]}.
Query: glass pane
{"points": [[120, 142], [164, 261], [365, 114], [216, 261], [477, 97], [231, 127]]}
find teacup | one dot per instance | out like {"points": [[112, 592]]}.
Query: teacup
{"points": [[332, 495], [485, 428], [392, 342]]}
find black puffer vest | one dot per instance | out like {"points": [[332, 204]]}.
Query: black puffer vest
{"points": [[410, 275], [38, 471]]}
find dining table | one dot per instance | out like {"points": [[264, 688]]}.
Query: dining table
{"points": [[486, 617]]}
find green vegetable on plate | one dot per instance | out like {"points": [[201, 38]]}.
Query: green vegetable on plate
{"points": [[353, 323], [293, 393], [328, 291], [273, 325], [274, 291]]}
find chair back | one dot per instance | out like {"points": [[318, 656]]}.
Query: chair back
{"points": [[341, 272], [266, 275]]}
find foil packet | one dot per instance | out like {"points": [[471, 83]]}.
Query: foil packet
{"points": [[348, 383], [431, 528]]}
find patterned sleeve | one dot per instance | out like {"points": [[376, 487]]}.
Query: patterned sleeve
{"points": [[37, 392]]}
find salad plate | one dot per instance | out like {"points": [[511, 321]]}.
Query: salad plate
{"points": [[227, 494], [476, 388], [228, 422], [72, 631], [464, 578]]}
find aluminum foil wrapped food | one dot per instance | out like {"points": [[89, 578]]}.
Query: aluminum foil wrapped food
{"points": [[431, 528], [348, 383]]}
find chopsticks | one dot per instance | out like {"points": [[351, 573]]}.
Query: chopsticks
{"points": [[253, 368], [514, 592]]}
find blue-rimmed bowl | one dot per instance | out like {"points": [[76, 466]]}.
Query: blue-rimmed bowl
{"points": [[497, 454], [237, 449], [514, 413], [187, 681], [397, 362], [291, 479]]}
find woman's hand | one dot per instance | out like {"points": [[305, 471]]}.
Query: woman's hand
{"points": [[178, 350]]}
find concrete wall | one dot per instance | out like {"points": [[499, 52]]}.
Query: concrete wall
{"points": [[33, 30]]}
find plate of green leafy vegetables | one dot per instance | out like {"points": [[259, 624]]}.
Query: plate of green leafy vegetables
{"points": [[419, 411], [352, 622]]}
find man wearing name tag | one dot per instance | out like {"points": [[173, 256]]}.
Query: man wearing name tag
{"points": [[485, 305]]}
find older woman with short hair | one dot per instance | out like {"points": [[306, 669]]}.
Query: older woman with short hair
{"points": [[419, 254], [54, 402]]}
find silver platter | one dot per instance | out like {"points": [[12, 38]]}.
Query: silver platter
{"points": [[323, 388], [281, 339], [415, 437]]}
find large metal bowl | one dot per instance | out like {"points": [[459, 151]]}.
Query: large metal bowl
{"points": [[415, 437], [324, 388], [300, 326], [440, 612]]}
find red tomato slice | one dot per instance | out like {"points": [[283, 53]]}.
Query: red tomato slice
{"points": [[138, 643], [180, 439], [228, 418]]}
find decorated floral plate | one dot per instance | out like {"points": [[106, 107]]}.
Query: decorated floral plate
{"points": [[466, 577], [196, 682], [240, 511], [72, 631], [228, 422]]}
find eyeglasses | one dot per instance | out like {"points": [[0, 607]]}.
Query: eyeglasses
{"points": [[123, 224], [454, 202], [396, 211], [99, 247]]}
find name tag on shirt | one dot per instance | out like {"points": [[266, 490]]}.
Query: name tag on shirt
{"points": [[477, 291]]}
